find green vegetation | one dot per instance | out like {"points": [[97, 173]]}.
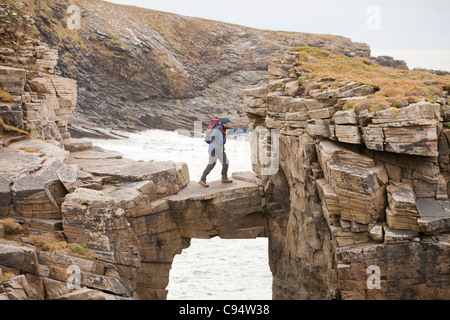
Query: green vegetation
{"points": [[301, 79]]}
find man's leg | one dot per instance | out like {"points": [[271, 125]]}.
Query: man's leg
{"points": [[225, 164], [224, 160], [211, 164]]}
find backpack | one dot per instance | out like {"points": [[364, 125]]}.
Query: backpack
{"points": [[212, 125]]}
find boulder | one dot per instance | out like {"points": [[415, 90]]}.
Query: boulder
{"points": [[377, 233], [345, 117], [398, 236], [363, 90], [67, 174], [73, 145], [168, 177], [292, 87], [320, 113]]}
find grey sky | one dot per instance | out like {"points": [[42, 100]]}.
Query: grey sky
{"points": [[395, 25]]}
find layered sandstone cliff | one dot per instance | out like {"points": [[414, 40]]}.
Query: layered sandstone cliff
{"points": [[89, 224], [139, 68], [37, 101], [78, 222], [351, 188], [356, 178]]}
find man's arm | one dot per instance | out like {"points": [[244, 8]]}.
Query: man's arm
{"points": [[233, 131]]}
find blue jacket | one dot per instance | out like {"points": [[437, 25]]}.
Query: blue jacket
{"points": [[219, 136]]}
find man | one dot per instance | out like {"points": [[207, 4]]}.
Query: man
{"points": [[216, 149]]}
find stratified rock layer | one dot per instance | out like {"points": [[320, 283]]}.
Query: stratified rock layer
{"points": [[42, 102], [133, 216], [138, 68], [357, 197], [61, 196]]}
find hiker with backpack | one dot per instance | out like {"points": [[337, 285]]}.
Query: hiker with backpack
{"points": [[216, 137]]}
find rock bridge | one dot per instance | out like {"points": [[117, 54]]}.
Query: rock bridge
{"points": [[134, 216]]}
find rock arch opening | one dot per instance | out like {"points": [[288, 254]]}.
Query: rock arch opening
{"points": [[222, 269]]}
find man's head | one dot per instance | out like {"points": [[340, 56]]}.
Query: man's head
{"points": [[226, 122]]}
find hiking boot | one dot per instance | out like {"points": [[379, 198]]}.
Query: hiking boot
{"points": [[226, 180], [203, 184]]}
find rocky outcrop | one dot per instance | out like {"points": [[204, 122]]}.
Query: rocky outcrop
{"points": [[437, 72], [168, 70], [31, 184], [79, 222], [351, 182], [133, 217], [40, 102], [358, 188], [387, 61]]}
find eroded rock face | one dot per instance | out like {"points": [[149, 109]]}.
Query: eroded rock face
{"points": [[125, 212], [367, 216], [163, 84], [42, 102], [230, 212], [358, 184], [31, 186], [356, 205], [134, 217]]}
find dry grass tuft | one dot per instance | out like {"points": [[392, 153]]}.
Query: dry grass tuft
{"points": [[11, 226], [5, 96]]}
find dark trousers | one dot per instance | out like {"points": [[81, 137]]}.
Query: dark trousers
{"points": [[213, 157]]}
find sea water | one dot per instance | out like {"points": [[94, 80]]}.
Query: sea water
{"points": [[214, 269]]}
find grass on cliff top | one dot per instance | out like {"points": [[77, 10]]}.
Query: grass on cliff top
{"points": [[394, 84]]}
